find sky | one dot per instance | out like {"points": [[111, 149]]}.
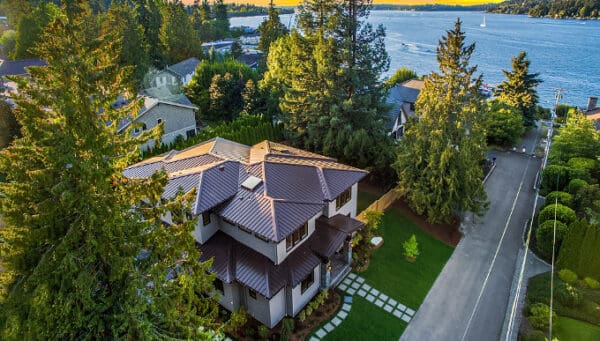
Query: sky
{"points": [[399, 2]]}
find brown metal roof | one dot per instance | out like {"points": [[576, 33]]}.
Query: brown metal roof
{"points": [[233, 261], [295, 184]]}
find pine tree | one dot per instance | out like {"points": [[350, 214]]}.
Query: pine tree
{"points": [[438, 163], [177, 35], [221, 21], [9, 127], [271, 29], [150, 17], [77, 261], [122, 20], [518, 90]]}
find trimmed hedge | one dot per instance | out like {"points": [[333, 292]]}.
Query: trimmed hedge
{"points": [[544, 236], [557, 177], [564, 198], [575, 185], [563, 214]]}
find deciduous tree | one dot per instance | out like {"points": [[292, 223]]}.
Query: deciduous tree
{"points": [[439, 159], [85, 253]]}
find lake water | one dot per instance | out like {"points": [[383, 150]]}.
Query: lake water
{"points": [[566, 53]]}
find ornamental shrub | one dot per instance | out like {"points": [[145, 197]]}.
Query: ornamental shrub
{"points": [[575, 185], [592, 283], [567, 276], [287, 328], [538, 316], [568, 295], [555, 178], [263, 332], [582, 163], [536, 335], [544, 235], [563, 213], [564, 198]]}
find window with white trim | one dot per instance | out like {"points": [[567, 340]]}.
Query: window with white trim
{"points": [[295, 237], [307, 282], [343, 198]]}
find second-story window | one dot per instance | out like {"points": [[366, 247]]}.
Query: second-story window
{"points": [[343, 198], [296, 236], [205, 218]]}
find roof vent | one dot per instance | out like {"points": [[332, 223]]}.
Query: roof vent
{"points": [[251, 183], [221, 168]]}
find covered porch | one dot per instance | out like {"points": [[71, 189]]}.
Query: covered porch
{"points": [[332, 243]]}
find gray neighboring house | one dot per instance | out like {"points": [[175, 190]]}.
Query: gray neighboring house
{"points": [[177, 114], [174, 76], [402, 98], [250, 58], [277, 221], [592, 111]]}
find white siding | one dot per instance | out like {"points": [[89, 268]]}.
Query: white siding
{"points": [[258, 307], [349, 207], [282, 251], [299, 299], [230, 299], [203, 233], [277, 307], [251, 241]]}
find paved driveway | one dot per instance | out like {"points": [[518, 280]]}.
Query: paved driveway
{"points": [[469, 299]]}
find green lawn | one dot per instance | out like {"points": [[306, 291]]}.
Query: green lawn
{"points": [[365, 199], [568, 329], [367, 322], [389, 271]]}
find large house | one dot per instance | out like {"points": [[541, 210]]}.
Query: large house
{"points": [[592, 111], [402, 98], [276, 220], [174, 76], [177, 116]]}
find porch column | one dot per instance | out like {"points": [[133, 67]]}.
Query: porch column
{"points": [[348, 251], [326, 274]]}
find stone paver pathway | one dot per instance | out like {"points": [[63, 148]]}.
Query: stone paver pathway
{"points": [[356, 285]]}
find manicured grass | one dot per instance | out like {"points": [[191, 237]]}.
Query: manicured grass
{"points": [[364, 200], [574, 330], [367, 322], [389, 271]]}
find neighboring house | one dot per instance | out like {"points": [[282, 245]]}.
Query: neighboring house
{"points": [[402, 98], [592, 111], [250, 38], [219, 46], [277, 221], [250, 58], [174, 76], [177, 116], [15, 68]]}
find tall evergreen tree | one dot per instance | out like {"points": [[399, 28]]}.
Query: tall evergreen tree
{"points": [[30, 28], [150, 17], [439, 159], [77, 261], [9, 127], [177, 35], [271, 29], [122, 20], [518, 90], [221, 21]]}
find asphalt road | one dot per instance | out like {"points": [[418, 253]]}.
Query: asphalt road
{"points": [[468, 301]]}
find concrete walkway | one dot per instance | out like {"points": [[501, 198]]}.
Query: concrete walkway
{"points": [[469, 299], [356, 285]]}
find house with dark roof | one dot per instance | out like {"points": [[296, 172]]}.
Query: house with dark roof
{"points": [[176, 114], [250, 58], [174, 76], [592, 111], [277, 221], [402, 99]]}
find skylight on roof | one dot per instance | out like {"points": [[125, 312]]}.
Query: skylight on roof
{"points": [[251, 183]]}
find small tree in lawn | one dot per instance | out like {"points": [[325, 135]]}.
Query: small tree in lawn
{"points": [[411, 248]]}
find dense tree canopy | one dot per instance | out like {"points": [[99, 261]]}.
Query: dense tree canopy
{"points": [[271, 29], [77, 261], [503, 124], [9, 127], [177, 35], [30, 27], [518, 90], [551, 8], [577, 138], [439, 162]]}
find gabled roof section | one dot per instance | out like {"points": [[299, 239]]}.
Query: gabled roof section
{"points": [[149, 104], [235, 261], [185, 67], [289, 185]]}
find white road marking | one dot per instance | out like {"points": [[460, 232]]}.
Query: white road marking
{"points": [[496, 253]]}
